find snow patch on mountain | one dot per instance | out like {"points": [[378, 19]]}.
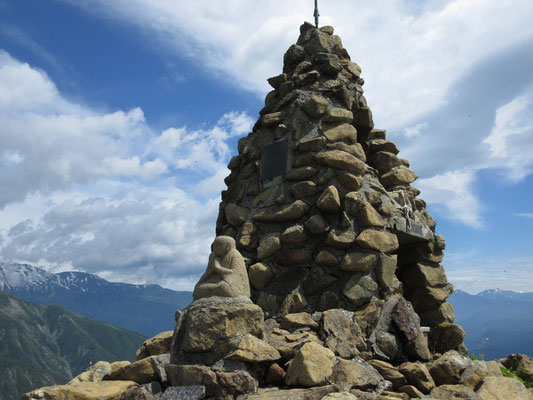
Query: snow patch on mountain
{"points": [[20, 275]]}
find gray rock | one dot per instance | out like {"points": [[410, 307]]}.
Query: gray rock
{"points": [[158, 363], [293, 235], [260, 275], [268, 245], [317, 280], [359, 289], [356, 374], [138, 393], [341, 334], [453, 392], [316, 224], [388, 344], [184, 393]]}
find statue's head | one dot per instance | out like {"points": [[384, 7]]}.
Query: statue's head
{"points": [[222, 245]]}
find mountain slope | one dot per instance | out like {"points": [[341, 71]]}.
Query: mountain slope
{"points": [[45, 345], [148, 309], [496, 322]]}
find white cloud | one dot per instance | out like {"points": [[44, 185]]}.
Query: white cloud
{"points": [[409, 59], [506, 123], [415, 130], [525, 215], [77, 194], [133, 167], [11, 157], [203, 150], [511, 138], [453, 191], [123, 237], [52, 143], [475, 274]]}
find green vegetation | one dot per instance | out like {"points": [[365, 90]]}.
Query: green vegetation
{"points": [[47, 345], [513, 373]]}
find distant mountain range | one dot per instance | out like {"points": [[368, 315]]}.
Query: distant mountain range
{"points": [[147, 309], [46, 345], [497, 322], [502, 316]]}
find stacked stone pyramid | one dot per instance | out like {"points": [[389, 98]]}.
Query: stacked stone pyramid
{"points": [[342, 257], [319, 202]]}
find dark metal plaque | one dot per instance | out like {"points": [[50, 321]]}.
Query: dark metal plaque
{"points": [[274, 162]]}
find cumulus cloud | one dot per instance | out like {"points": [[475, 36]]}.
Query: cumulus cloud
{"points": [[201, 149], [415, 130], [453, 191], [168, 232], [510, 144], [49, 143], [410, 54], [78, 192]]}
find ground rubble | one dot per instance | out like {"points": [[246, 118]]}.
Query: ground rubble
{"points": [[300, 362]]}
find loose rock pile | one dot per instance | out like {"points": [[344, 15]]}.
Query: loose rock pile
{"points": [[325, 266]]}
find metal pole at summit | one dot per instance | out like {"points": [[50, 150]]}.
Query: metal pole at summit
{"points": [[316, 14]]}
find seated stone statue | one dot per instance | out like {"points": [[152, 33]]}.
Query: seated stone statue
{"points": [[226, 274]]}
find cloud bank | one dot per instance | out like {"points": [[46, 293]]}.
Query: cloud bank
{"points": [[101, 191]]}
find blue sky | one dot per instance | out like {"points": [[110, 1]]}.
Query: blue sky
{"points": [[118, 118]]}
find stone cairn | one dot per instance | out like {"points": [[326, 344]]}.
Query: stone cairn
{"points": [[325, 276], [342, 257]]}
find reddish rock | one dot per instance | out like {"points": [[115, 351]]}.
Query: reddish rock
{"points": [[275, 374]]}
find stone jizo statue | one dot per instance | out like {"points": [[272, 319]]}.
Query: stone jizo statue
{"points": [[226, 274]]}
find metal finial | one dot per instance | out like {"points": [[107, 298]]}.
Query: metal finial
{"points": [[316, 14]]}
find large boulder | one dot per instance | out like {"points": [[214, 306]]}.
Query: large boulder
{"points": [[209, 320], [377, 240]]}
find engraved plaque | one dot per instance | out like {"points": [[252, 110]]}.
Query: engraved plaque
{"points": [[274, 162]]}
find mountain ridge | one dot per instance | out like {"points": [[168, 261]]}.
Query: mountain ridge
{"points": [[42, 345], [148, 309], [491, 317]]}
